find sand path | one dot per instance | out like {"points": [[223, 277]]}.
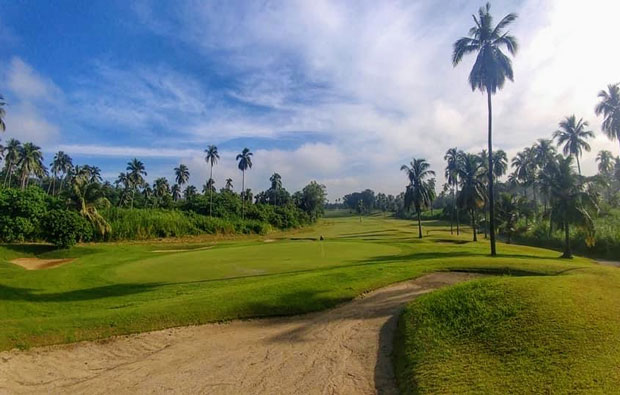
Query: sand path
{"points": [[344, 350]]}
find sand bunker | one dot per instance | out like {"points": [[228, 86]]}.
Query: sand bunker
{"points": [[268, 241], [37, 264]]}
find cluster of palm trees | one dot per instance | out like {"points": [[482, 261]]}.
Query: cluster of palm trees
{"points": [[22, 161], [489, 73]]}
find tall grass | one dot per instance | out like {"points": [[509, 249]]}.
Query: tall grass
{"points": [[143, 224]]}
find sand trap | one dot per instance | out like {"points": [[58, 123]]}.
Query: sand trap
{"points": [[268, 240], [344, 350], [184, 249], [37, 264]]}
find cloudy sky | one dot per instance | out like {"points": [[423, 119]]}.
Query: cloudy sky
{"points": [[342, 92]]}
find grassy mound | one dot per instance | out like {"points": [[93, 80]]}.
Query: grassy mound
{"points": [[543, 334]]}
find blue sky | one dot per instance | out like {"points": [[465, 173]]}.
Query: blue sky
{"points": [[341, 92]]}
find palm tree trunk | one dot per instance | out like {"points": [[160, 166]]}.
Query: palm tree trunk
{"points": [[578, 164], [8, 172], [491, 198], [452, 216], [567, 251], [211, 193], [456, 208], [419, 225], [473, 224], [242, 194]]}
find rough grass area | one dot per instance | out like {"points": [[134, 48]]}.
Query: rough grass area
{"points": [[120, 288], [547, 334]]}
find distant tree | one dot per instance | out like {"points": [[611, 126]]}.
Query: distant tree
{"points": [[488, 74], [135, 173], [573, 134], [30, 163], [453, 157], [181, 174], [432, 193], [190, 192], [61, 164], [12, 153], [209, 188], [311, 199], [418, 191], [176, 192], [212, 157], [471, 174], [572, 203], [244, 160], [508, 213], [609, 107], [605, 161], [161, 190], [229, 184], [87, 196], [276, 185]]}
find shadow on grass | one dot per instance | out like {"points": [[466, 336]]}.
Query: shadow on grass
{"points": [[107, 291], [47, 250]]}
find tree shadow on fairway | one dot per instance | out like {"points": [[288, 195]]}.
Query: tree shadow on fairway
{"points": [[46, 250], [418, 256], [107, 291]]}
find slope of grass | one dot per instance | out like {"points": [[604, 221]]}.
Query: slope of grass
{"points": [[462, 337], [552, 334]]}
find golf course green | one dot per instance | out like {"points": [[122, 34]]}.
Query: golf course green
{"points": [[540, 324]]}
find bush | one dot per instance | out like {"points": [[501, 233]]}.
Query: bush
{"points": [[64, 228], [21, 212]]}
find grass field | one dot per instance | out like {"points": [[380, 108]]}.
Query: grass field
{"points": [[551, 324]]}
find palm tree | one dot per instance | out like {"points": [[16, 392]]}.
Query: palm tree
{"points": [[525, 167], [609, 106], [182, 174], [211, 158], [135, 172], [87, 195], [488, 74], [209, 187], [418, 191], [2, 113], [124, 181], [432, 194], [471, 173], [11, 158], [229, 184], [508, 213], [544, 154], [245, 162], [190, 192], [572, 202], [276, 184], [453, 157], [573, 135], [605, 161], [161, 188], [62, 163], [30, 163], [176, 192]]}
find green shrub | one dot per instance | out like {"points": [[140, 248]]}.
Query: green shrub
{"points": [[64, 228], [21, 212]]}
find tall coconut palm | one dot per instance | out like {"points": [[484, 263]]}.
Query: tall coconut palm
{"points": [[136, 173], [573, 204], [524, 164], [609, 107], [182, 174], [12, 153], [573, 135], [605, 161], [244, 160], [418, 192], [30, 163], [471, 174], [276, 185], [453, 157], [161, 189], [2, 114], [229, 184], [212, 157], [489, 73], [124, 181]]}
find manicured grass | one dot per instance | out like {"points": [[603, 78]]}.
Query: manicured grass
{"points": [[533, 334], [122, 288]]}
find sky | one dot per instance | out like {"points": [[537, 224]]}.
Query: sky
{"points": [[341, 92]]}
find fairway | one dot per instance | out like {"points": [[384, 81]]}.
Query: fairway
{"points": [[121, 288]]}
